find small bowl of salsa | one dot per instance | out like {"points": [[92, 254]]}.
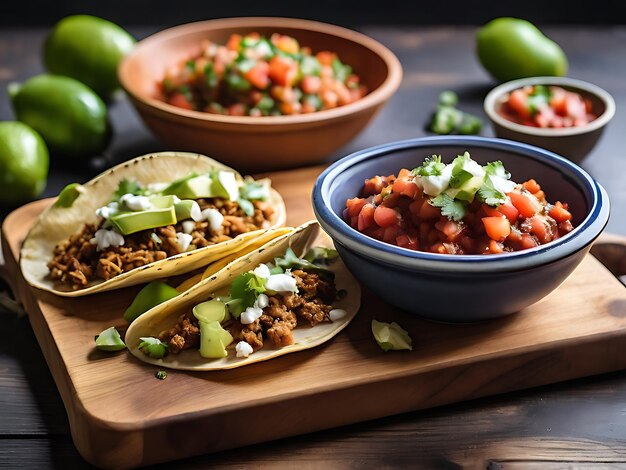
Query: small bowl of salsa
{"points": [[564, 115]]}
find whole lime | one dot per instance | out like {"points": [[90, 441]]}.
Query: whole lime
{"points": [[511, 48], [23, 163], [70, 117], [88, 49]]}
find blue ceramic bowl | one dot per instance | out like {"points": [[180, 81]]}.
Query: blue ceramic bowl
{"points": [[462, 288]]}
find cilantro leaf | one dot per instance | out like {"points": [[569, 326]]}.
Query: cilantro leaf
{"points": [[450, 207], [320, 254], [244, 290], [496, 169], [432, 166], [153, 347], [490, 195], [291, 261], [127, 187]]}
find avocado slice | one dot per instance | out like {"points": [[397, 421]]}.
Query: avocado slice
{"points": [[131, 222], [213, 339], [188, 209], [211, 310], [151, 295]]}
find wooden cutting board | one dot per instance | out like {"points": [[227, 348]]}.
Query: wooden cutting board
{"points": [[122, 416]]}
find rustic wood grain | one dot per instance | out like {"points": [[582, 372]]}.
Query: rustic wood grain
{"points": [[120, 416]]}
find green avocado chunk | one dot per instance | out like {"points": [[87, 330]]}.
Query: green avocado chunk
{"points": [[68, 195], [187, 209], [391, 336], [213, 339], [110, 340], [211, 310], [151, 295], [131, 222]]}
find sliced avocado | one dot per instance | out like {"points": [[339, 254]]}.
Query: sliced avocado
{"points": [[213, 339], [131, 222], [174, 186], [68, 195], [161, 202], [224, 185], [188, 209], [151, 295], [467, 190], [109, 340], [391, 336], [211, 310]]}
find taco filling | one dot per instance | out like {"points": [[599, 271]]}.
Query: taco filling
{"points": [[261, 306], [142, 225]]}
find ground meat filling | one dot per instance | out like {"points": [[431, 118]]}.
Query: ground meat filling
{"points": [[311, 305], [76, 262]]}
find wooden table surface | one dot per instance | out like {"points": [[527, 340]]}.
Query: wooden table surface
{"points": [[579, 423]]}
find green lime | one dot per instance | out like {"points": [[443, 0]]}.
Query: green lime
{"points": [[23, 163], [70, 117], [88, 49], [511, 48]]}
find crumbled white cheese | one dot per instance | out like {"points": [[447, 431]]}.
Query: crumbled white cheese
{"points": [[250, 315], [281, 283], [435, 185], [337, 314], [183, 240], [106, 238], [243, 349], [188, 226], [214, 217], [107, 211], [196, 212], [502, 185], [262, 301], [136, 203], [262, 271]]}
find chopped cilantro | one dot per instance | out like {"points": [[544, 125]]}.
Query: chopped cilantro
{"points": [[160, 374], [432, 166], [153, 347], [450, 207], [291, 261], [538, 99], [244, 290], [496, 169], [490, 195], [341, 71], [127, 187], [253, 190], [320, 254], [310, 66]]}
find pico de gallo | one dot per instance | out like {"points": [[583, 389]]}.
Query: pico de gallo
{"points": [[547, 106], [253, 75], [457, 208]]}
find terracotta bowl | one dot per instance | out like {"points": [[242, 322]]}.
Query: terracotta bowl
{"points": [[573, 143], [268, 142]]}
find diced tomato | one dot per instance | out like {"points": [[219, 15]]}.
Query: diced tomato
{"points": [[405, 186], [237, 109], [540, 228], [452, 230], [354, 206], [495, 247], [326, 57], [386, 216], [523, 203], [490, 211], [532, 186], [518, 101], [509, 211], [283, 70], [527, 242], [391, 233], [234, 42], [559, 213], [415, 206], [285, 43], [497, 228], [373, 186], [258, 75], [407, 241], [179, 100], [428, 211], [311, 84], [405, 173], [392, 199], [366, 217]]}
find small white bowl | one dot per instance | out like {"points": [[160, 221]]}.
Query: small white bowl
{"points": [[573, 143]]}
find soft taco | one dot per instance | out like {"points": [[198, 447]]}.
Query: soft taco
{"points": [[291, 294], [158, 215]]}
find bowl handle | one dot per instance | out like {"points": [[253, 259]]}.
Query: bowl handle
{"points": [[610, 250]]}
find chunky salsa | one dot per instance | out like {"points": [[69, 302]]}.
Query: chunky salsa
{"points": [[458, 208], [254, 75], [547, 106]]}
